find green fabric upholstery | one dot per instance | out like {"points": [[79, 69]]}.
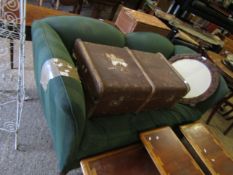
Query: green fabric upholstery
{"points": [[107, 133], [150, 42], [179, 49], [63, 101], [74, 135], [87, 29]]}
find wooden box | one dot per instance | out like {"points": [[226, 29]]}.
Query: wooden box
{"points": [[168, 153], [208, 148], [132, 160], [129, 20]]}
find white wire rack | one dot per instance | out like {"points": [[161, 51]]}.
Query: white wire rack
{"points": [[12, 41]]}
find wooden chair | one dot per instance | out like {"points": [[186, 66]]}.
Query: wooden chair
{"points": [[223, 104], [98, 6], [77, 4]]}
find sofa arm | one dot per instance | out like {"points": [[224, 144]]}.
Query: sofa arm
{"points": [[63, 97]]}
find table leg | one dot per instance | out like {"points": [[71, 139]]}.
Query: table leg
{"points": [[97, 8], [57, 4], [40, 2], [78, 7]]}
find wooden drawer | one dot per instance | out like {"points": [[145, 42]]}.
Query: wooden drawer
{"points": [[132, 160], [208, 148], [168, 153]]}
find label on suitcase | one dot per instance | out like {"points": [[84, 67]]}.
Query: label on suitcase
{"points": [[120, 80]]}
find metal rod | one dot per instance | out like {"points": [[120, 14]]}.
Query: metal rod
{"points": [[20, 88], [12, 27]]}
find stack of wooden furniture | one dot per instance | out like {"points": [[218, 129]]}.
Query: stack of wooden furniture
{"points": [[200, 153], [217, 59]]}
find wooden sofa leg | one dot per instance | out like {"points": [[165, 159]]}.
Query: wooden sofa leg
{"points": [[78, 7]]}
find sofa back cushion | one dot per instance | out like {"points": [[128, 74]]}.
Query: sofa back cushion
{"points": [[179, 49], [92, 30], [150, 42]]}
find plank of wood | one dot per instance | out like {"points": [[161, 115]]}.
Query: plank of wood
{"points": [[218, 61], [132, 160], [168, 153], [208, 148]]}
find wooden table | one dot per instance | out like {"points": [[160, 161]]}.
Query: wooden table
{"points": [[165, 155], [34, 12], [208, 148], [168, 153], [188, 33], [217, 60]]}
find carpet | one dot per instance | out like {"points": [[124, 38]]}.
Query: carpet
{"points": [[36, 155]]}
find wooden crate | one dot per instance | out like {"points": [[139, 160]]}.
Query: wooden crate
{"points": [[132, 160], [208, 148], [129, 20], [168, 153]]}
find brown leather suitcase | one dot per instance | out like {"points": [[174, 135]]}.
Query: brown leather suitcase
{"points": [[120, 80], [129, 20]]}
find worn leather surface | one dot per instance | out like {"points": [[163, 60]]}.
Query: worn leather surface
{"points": [[120, 80]]}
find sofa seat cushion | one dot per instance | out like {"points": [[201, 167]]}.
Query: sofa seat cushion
{"points": [[102, 134], [87, 29], [150, 42]]}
